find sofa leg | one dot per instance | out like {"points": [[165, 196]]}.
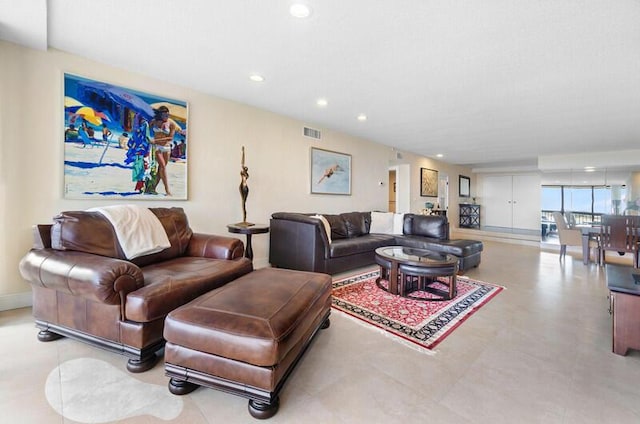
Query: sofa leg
{"points": [[263, 410], [181, 387], [48, 336], [143, 364], [325, 324]]}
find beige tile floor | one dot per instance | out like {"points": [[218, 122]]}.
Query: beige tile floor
{"points": [[540, 352]]}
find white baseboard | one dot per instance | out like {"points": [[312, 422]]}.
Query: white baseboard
{"points": [[15, 301], [261, 263]]}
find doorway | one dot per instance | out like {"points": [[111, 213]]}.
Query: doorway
{"points": [[392, 190], [400, 188], [443, 191]]}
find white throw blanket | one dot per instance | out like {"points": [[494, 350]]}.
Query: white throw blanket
{"points": [[138, 230]]}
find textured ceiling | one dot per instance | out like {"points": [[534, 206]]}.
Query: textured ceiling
{"points": [[481, 82]]}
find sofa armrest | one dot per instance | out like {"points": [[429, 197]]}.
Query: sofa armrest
{"points": [[93, 277], [295, 216], [298, 242], [215, 247], [316, 225]]}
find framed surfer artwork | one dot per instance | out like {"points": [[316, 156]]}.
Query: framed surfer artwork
{"points": [[330, 172], [123, 143]]}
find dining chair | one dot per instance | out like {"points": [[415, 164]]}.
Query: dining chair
{"points": [[620, 233], [572, 237], [571, 219]]}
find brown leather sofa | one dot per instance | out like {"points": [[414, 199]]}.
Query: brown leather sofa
{"points": [[84, 288], [298, 241]]}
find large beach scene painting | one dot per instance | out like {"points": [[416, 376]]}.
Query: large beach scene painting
{"points": [[123, 143]]}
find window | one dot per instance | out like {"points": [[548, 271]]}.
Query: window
{"points": [[602, 200], [586, 203], [578, 199], [551, 198]]}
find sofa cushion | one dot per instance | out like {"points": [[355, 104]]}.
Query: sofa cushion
{"points": [[463, 247], [362, 244], [398, 223], [91, 232], [176, 225], [338, 227], [84, 231], [434, 226], [325, 224], [357, 223], [381, 222], [172, 283], [460, 248]]}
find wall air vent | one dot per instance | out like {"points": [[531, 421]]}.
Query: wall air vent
{"points": [[310, 132]]}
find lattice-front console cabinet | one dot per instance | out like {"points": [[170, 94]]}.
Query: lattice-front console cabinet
{"points": [[469, 216]]}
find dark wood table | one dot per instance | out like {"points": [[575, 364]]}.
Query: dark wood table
{"points": [[398, 263], [624, 307], [248, 231], [588, 232]]}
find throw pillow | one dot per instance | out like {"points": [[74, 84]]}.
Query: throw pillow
{"points": [[338, 226], [398, 223], [325, 223], [381, 222]]}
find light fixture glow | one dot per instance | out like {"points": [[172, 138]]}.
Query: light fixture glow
{"points": [[322, 102], [362, 117], [299, 10], [439, 155], [256, 78], [589, 169]]}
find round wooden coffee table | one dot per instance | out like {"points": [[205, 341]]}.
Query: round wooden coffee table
{"points": [[405, 267]]}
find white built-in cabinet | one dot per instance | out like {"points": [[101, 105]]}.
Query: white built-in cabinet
{"points": [[511, 201]]}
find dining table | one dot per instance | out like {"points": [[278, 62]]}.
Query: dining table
{"points": [[588, 232]]}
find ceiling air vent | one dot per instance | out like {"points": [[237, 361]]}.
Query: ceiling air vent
{"points": [[310, 132]]}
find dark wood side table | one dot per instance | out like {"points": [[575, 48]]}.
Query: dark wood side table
{"points": [[248, 231], [625, 307]]}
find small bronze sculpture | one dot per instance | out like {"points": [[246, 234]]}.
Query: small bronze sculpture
{"points": [[244, 192]]}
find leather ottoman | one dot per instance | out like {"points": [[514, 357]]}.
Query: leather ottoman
{"points": [[247, 336]]}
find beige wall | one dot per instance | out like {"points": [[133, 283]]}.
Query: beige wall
{"points": [[31, 157]]}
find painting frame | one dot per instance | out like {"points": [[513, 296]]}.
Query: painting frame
{"points": [[116, 140], [330, 172], [428, 182], [464, 186]]}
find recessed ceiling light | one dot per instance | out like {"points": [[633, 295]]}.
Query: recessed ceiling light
{"points": [[589, 169], [256, 78], [299, 10], [439, 155], [322, 102], [362, 117]]}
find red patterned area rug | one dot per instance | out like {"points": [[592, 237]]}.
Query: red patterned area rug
{"points": [[423, 323]]}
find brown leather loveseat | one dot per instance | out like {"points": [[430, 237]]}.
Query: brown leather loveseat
{"points": [[84, 288]]}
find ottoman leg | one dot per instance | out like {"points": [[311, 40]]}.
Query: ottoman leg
{"points": [[263, 410], [181, 387]]}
